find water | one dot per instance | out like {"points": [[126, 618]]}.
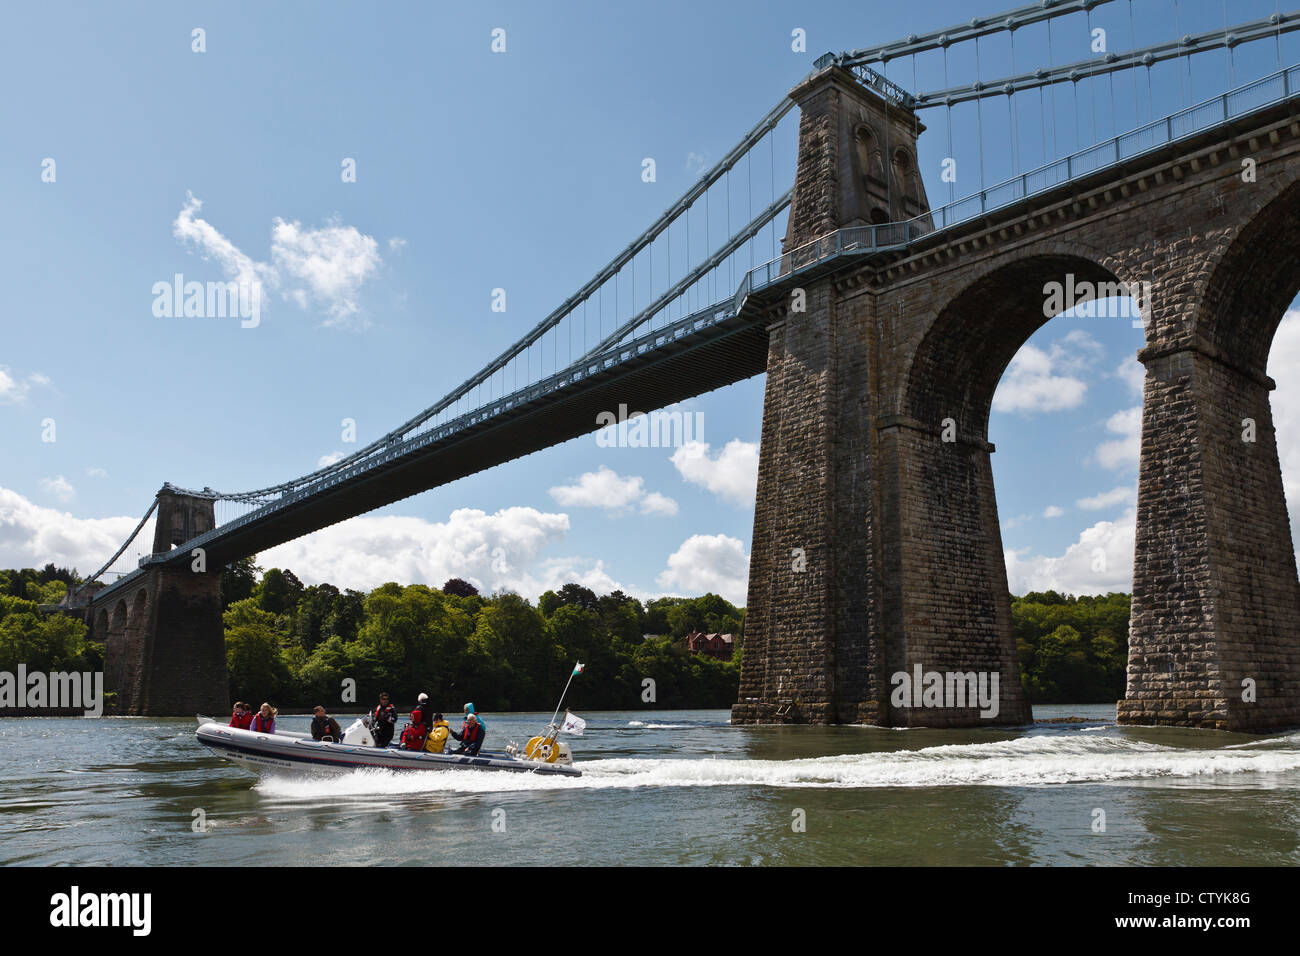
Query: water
{"points": [[669, 788]]}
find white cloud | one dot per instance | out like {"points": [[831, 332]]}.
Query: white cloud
{"points": [[1052, 511], [14, 387], [1125, 452], [495, 552], [1016, 522], [212, 245], [60, 488], [695, 162], [607, 489], [324, 461], [603, 488], [657, 504], [326, 265], [1123, 495], [96, 472], [732, 475], [332, 263], [1099, 562], [1133, 374], [31, 535], [716, 563], [396, 244], [1048, 381]]}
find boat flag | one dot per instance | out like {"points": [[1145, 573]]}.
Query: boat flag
{"points": [[578, 669], [574, 724]]}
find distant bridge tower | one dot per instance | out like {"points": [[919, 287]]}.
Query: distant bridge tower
{"points": [[164, 640]]}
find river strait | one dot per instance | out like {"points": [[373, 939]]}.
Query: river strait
{"points": [[669, 788]]}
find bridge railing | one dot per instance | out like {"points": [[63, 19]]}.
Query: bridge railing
{"points": [[1263, 92]]}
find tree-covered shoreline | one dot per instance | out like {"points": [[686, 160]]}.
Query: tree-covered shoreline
{"points": [[296, 646]]}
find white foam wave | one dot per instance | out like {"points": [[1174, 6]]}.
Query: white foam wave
{"points": [[1024, 761], [641, 724]]}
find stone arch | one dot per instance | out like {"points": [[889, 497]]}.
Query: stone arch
{"points": [[940, 548], [905, 179], [957, 366], [1253, 282], [870, 157]]}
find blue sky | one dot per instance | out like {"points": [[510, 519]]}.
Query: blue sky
{"points": [[475, 170]]}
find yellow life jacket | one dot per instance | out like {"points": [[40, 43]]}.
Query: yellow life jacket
{"points": [[437, 738]]}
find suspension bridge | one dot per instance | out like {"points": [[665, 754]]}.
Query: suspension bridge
{"points": [[883, 324]]}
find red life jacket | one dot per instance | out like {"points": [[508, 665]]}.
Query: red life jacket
{"points": [[414, 735], [241, 721], [257, 725]]}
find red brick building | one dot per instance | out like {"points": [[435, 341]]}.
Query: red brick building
{"points": [[715, 645]]}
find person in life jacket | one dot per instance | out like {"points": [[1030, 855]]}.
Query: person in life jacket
{"points": [[469, 709], [438, 735], [383, 721], [323, 725], [426, 710], [242, 716], [471, 736], [264, 720], [416, 733]]}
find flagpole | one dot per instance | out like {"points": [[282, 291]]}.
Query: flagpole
{"points": [[572, 673]]}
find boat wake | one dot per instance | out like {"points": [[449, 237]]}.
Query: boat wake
{"points": [[1023, 762]]}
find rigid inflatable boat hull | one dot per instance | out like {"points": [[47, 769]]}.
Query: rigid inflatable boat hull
{"points": [[299, 753]]}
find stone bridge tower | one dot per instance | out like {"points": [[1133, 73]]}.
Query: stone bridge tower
{"points": [[831, 616], [164, 640]]}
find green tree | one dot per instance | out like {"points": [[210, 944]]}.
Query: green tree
{"points": [[238, 579], [255, 664]]}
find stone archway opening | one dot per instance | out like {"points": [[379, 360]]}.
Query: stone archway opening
{"points": [[947, 550]]}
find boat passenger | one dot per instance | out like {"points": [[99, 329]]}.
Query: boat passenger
{"points": [[425, 710], [242, 716], [470, 736], [323, 725], [469, 709], [438, 736], [416, 733], [383, 720], [264, 720]]}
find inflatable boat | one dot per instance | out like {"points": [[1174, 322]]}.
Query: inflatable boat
{"points": [[288, 751]]}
